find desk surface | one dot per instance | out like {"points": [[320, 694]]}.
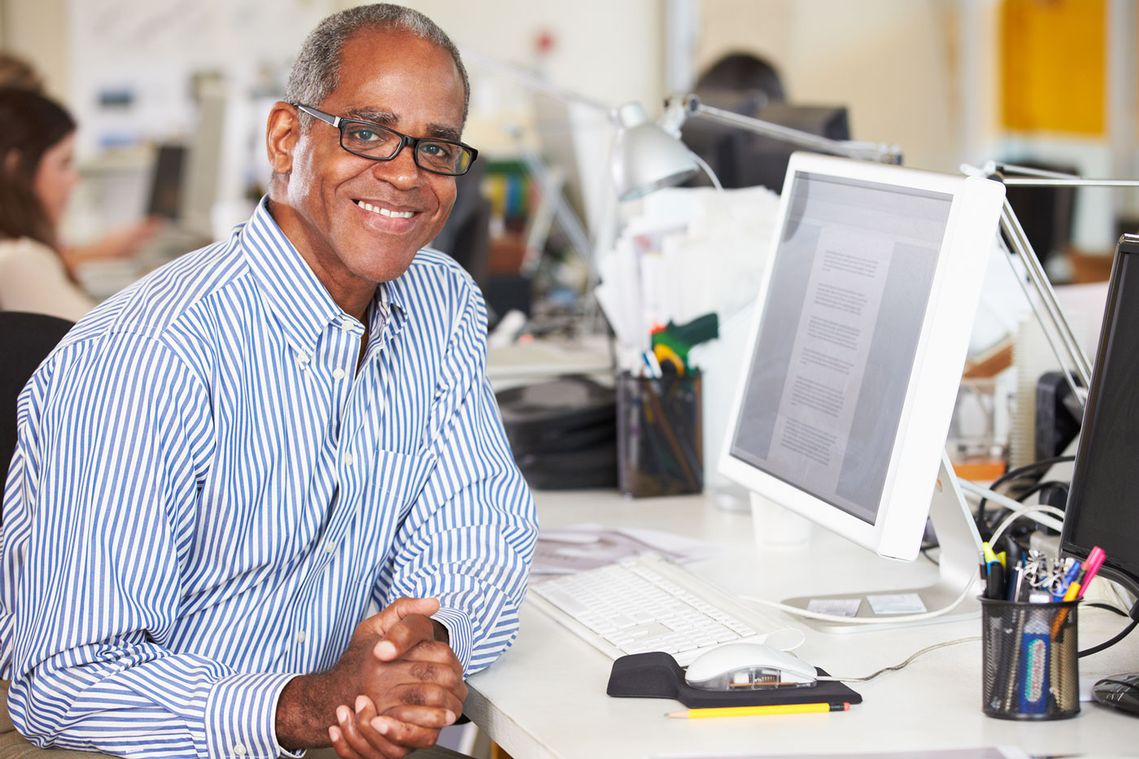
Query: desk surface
{"points": [[546, 696]]}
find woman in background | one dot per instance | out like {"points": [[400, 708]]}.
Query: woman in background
{"points": [[37, 175]]}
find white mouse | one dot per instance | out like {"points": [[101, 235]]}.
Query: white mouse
{"points": [[735, 666]]}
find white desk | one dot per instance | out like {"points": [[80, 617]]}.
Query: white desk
{"points": [[546, 696]]}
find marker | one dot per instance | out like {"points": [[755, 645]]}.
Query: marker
{"points": [[757, 711], [1091, 567], [995, 585], [987, 553]]}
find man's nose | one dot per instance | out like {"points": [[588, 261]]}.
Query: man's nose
{"points": [[400, 171]]}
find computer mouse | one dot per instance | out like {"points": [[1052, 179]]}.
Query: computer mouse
{"points": [[1119, 691], [735, 666]]}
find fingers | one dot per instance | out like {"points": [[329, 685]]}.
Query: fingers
{"points": [[409, 735], [366, 735], [353, 738], [423, 716], [434, 651], [429, 695], [403, 635]]}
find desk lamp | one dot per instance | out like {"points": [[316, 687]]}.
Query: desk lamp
{"points": [[1061, 339], [648, 156]]}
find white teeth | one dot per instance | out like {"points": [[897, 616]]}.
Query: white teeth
{"points": [[384, 211]]}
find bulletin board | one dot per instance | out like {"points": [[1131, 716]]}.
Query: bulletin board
{"points": [[1053, 61]]}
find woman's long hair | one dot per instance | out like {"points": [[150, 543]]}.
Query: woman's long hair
{"points": [[30, 124]]}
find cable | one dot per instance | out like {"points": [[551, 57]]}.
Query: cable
{"points": [[1018, 509], [1109, 643], [1039, 512], [906, 663], [1107, 607], [904, 619], [1043, 465]]}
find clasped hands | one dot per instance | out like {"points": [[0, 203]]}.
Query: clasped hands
{"points": [[391, 692]]}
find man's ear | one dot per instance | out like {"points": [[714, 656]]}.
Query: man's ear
{"points": [[282, 131]]}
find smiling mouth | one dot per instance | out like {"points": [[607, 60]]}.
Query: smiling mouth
{"points": [[385, 211]]}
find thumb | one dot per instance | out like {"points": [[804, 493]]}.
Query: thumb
{"points": [[388, 617], [404, 607]]}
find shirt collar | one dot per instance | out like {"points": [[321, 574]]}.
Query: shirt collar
{"points": [[292, 291]]}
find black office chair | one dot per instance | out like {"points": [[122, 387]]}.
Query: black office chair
{"points": [[25, 340]]}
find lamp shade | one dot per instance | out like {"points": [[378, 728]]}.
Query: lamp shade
{"points": [[645, 156]]}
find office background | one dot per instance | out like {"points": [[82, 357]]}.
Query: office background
{"points": [[947, 80], [950, 81]]}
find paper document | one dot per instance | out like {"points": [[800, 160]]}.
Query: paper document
{"points": [[586, 546]]}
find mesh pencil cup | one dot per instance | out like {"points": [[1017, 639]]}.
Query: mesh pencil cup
{"points": [[659, 444], [1030, 665]]}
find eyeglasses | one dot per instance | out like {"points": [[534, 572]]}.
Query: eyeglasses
{"points": [[376, 142]]}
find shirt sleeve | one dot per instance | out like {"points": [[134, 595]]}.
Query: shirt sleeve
{"points": [[469, 539], [99, 512]]}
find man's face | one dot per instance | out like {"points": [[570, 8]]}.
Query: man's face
{"points": [[410, 85]]}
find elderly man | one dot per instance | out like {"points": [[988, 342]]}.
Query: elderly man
{"points": [[222, 470]]}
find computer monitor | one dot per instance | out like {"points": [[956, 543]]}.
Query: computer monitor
{"points": [[860, 336], [166, 182], [1103, 508], [745, 159]]}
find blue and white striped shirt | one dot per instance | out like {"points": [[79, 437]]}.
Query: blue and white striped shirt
{"points": [[206, 497]]}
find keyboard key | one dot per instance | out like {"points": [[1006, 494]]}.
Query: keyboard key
{"points": [[645, 605]]}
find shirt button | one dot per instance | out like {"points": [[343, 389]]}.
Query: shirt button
{"points": [[301, 636], [349, 459], [239, 749], [338, 373], [346, 325], [330, 547]]}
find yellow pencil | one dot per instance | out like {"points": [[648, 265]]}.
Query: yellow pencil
{"points": [[756, 711]]}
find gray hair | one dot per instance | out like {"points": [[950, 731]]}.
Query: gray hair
{"points": [[316, 71]]}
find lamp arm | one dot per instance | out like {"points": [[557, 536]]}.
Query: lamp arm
{"points": [[866, 151], [529, 79], [1052, 314]]}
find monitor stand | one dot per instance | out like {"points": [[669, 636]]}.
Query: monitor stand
{"points": [[960, 545]]}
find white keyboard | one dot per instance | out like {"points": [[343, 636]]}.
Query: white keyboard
{"points": [[648, 604]]}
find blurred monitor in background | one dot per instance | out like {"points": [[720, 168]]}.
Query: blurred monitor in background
{"points": [[166, 182], [754, 160], [750, 86]]}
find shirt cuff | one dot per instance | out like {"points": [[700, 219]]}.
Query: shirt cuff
{"points": [[241, 716], [458, 626]]}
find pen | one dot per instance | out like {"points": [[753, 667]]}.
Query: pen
{"points": [[756, 711], [1069, 578]]}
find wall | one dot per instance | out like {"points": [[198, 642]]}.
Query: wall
{"points": [[610, 50], [892, 62], [39, 31]]}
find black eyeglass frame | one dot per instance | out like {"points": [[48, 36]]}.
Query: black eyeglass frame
{"points": [[340, 123]]}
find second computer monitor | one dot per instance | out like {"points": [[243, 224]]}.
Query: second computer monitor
{"points": [[861, 333]]}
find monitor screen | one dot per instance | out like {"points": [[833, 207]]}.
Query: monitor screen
{"points": [[1103, 505], [166, 182], [860, 335], [852, 278]]}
